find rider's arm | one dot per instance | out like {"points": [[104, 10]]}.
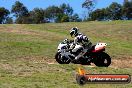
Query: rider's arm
{"points": [[75, 40], [74, 43]]}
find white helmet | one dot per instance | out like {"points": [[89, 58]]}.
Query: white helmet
{"points": [[74, 31]]}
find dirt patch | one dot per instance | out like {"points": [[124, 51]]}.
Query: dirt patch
{"points": [[18, 30], [6, 66], [122, 63], [126, 62], [25, 32], [39, 59]]}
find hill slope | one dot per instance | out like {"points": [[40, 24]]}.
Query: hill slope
{"points": [[27, 51]]}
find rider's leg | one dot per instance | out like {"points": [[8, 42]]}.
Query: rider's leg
{"points": [[85, 49], [77, 49], [81, 54]]}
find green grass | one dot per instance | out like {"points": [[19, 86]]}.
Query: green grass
{"points": [[26, 49]]}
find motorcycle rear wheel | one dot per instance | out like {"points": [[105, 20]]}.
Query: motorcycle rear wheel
{"points": [[102, 60]]}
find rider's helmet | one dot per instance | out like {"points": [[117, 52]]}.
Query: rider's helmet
{"points": [[74, 31]]}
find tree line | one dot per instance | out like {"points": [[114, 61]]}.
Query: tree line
{"points": [[114, 11], [64, 13]]}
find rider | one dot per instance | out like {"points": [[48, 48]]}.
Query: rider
{"points": [[80, 39]]}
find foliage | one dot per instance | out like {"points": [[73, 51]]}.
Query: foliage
{"points": [[98, 14], [3, 14], [127, 10], [65, 18], [37, 15], [52, 12], [20, 12], [114, 11], [67, 9], [89, 5], [9, 20], [19, 9], [75, 18]]}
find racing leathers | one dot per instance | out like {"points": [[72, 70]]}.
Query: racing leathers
{"points": [[81, 45]]}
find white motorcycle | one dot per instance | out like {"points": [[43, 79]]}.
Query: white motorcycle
{"points": [[96, 55]]}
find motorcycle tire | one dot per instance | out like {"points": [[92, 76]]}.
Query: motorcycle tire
{"points": [[101, 58], [61, 60]]}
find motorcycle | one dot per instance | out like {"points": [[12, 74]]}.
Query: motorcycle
{"points": [[96, 55]]}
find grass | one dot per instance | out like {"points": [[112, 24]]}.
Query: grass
{"points": [[25, 51]]}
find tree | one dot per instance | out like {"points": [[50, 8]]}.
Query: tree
{"points": [[19, 9], [3, 14], [37, 15], [96, 15], [24, 20], [75, 18], [59, 17], [65, 18], [52, 12], [114, 11], [20, 12], [127, 9], [89, 5], [99, 14], [67, 9], [9, 20], [66, 14]]}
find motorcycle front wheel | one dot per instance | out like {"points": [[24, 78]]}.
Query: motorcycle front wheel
{"points": [[60, 59]]}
